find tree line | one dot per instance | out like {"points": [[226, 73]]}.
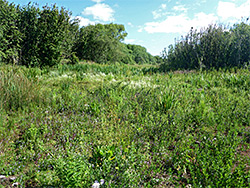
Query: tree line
{"points": [[47, 36], [213, 47]]}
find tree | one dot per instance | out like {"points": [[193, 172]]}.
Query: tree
{"points": [[100, 43], [140, 55], [216, 47], [240, 39], [28, 26], [53, 26], [33, 37], [10, 36]]}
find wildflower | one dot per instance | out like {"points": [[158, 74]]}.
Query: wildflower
{"points": [[97, 184], [15, 184], [102, 181]]}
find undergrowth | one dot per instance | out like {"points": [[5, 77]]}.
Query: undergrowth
{"points": [[128, 126]]}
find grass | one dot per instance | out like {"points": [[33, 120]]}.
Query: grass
{"points": [[74, 124]]}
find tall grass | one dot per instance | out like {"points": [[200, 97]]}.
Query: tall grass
{"points": [[17, 91], [132, 130]]}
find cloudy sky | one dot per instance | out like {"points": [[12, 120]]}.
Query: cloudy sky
{"points": [[154, 24]]}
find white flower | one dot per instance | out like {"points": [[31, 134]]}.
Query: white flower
{"points": [[96, 185], [102, 181]]}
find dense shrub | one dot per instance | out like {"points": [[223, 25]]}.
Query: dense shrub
{"points": [[213, 47], [100, 43], [140, 55]]}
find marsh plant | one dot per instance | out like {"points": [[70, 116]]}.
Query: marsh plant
{"points": [[18, 89], [176, 129]]}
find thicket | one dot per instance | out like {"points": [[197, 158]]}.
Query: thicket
{"points": [[32, 36], [35, 37], [216, 46]]}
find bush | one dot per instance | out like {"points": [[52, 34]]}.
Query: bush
{"points": [[212, 47]]}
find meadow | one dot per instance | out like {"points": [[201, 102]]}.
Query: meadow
{"points": [[131, 126]]}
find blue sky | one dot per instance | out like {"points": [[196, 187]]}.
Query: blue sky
{"points": [[153, 24]]}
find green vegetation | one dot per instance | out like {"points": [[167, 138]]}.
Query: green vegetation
{"points": [[87, 122], [213, 47], [34, 37], [100, 43], [65, 123], [18, 91], [37, 37]]}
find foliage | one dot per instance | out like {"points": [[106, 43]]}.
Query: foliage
{"points": [[18, 90], [52, 26], [10, 36], [43, 37], [100, 43], [212, 47], [139, 54], [33, 37], [128, 127]]}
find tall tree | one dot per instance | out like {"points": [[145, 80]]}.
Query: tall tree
{"points": [[100, 43], [53, 25], [10, 36], [140, 54], [28, 26], [216, 46]]}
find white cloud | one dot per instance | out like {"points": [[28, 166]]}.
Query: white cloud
{"points": [[180, 8], [140, 29], [163, 6], [177, 20], [156, 14], [160, 12], [171, 24], [98, 1], [100, 11], [203, 20], [227, 10], [130, 24], [199, 2], [84, 21], [180, 23]]}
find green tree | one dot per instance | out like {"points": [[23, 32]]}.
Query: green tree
{"points": [[140, 55], [53, 25], [28, 26], [240, 42], [216, 47], [33, 37], [10, 36], [100, 43]]}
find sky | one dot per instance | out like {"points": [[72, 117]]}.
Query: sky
{"points": [[154, 24]]}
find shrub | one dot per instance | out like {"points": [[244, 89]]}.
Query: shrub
{"points": [[212, 47]]}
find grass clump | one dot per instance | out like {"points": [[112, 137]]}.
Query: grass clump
{"points": [[18, 91], [131, 129]]}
